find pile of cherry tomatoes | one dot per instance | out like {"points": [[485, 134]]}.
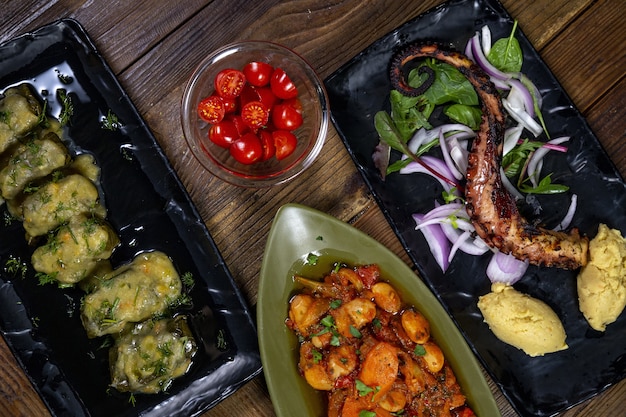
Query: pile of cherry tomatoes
{"points": [[253, 112]]}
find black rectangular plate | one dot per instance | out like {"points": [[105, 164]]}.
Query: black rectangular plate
{"points": [[150, 209], [540, 386]]}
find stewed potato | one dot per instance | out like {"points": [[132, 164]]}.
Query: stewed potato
{"points": [[20, 113]]}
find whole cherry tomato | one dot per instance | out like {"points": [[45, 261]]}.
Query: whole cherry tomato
{"points": [[267, 141], [266, 96], [285, 143], [295, 103], [212, 109], [255, 114], [247, 149], [286, 117], [282, 86], [229, 83], [238, 122], [258, 73], [223, 133]]}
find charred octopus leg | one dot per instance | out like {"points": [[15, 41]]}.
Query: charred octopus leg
{"points": [[490, 206]]}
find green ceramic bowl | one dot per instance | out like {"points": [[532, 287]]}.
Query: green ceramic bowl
{"points": [[298, 231]]}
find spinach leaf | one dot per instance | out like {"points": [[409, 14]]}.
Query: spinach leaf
{"points": [[467, 115], [506, 53], [450, 86]]}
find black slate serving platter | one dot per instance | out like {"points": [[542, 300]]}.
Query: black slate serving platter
{"points": [[540, 386], [149, 208]]}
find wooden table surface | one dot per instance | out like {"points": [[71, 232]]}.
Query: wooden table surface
{"points": [[153, 46]]}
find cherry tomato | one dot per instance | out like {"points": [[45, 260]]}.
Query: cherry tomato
{"points": [[286, 117], [267, 141], [266, 96], [255, 114], [258, 73], [247, 149], [295, 103], [229, 83], [212, 109], [223, 133], [238, 122], [285, 143], [282, 86], [230, 104]]}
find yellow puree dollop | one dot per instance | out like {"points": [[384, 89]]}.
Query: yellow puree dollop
{"points": [[602, 282], [522, 321]]}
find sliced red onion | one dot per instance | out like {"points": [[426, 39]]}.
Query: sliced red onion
{"points": [[437, 242], [435, 164], [486, 39], [445, 210], [472, 246], [482, 61], [567, 220], [506, 268], [448, 159], [511, 137], [509, 186], [516, 110], [535, 162], [524, 95]]}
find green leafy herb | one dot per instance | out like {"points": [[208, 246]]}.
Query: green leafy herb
{"points": [[68, 107], [111, 122], [545, 186], [506, 53], [419, 350], [366, 413], [15, 267], [362, 389], [311, 259], [317, 355], [355, 332], [334, 304], [131, 399], [221, 340]]}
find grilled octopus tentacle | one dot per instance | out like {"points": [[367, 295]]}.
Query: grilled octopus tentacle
{"points": [[491, 208]]}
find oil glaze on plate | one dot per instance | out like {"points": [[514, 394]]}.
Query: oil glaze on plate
{"points": [[539, 386], [149, 208], [298, 231]]}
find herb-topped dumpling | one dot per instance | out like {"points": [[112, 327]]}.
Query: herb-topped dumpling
{"points": [[31, 160], [75, 250], [142, 289], [148, 356], [20, 112], [57, 202]]}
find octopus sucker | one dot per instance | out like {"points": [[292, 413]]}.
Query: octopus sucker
{"points": [[491, 208]]}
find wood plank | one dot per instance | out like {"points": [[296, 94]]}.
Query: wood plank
{"points": [[576, 57]]}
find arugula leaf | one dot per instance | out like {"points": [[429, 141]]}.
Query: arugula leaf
{"points": [[513, 162], [545, 186]]}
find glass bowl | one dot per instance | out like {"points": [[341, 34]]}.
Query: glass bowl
{"points": [[311, 134]]}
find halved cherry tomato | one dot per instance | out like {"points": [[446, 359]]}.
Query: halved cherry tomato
{"points": [[286, 117], [212, 109], [229, 83], [255, 114], [223, 133], [258, 73], [267, 141], [285, 143], [282, 86], [247, 149]]}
